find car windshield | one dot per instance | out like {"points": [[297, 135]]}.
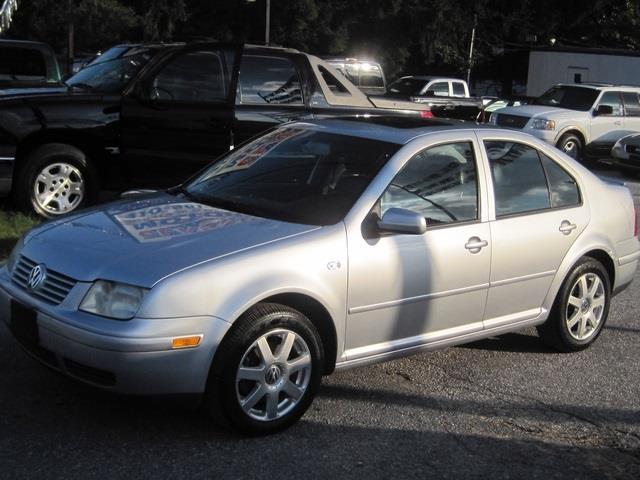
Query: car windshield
{"points": [[111, 76], [407, 86], [293, 174], [572, 98]]}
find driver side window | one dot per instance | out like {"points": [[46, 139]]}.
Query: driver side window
{"points": [[193, 77], [440, 183]]}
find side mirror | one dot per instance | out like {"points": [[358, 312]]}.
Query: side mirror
{"points": [[399, 220], [603, 110]]}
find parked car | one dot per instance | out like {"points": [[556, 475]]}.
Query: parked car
{"points": [[27, 64], [582, 120], [495, 104], [367, 75], [626, 154], [446, 97], [148, 116], [320, 246]]}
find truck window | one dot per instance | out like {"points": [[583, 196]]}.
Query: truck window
{"points": [[612, 99], [269, 80], [440, 89], [23, 63], [193, 77], [631, 104], [458, 89], [336, 87], [371, 76]]}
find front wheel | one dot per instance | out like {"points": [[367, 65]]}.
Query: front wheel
{"points": [[581, 308], [571, 145], [55, 179], [267, 370]]}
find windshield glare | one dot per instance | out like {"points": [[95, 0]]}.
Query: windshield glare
{"points": [[293, 174], [573, 98], [111, 76]]}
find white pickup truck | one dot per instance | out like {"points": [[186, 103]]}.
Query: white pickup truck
{"points": [[582, 120]]}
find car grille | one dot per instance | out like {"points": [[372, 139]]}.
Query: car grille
{"points": [[511, 121], [55, 287]]}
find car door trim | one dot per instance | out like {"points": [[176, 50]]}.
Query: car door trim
{"points": [[532, 276], [418, 298]]}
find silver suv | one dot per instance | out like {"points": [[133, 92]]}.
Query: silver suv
{"points": [[582, 120], [322, 246]]}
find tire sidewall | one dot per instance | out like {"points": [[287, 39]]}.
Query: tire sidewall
{"points": [[40, 159], [223, 378], [571, 137], [589, 265]]}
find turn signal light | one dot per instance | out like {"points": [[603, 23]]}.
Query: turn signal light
{"points": [[186, 342], [426, 114]]}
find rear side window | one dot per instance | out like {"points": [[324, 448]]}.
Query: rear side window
{"points": [[440, 183], [194, 77], [23, 63], [336, 87], [631, 104], [269, 80], [519, 181], [458, 89], [562, 187]]}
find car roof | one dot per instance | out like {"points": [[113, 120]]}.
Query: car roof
{"points": [[5, 42], [392, 129], [431, 77], [598, 86]]}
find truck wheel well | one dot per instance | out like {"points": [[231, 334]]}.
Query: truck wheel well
{"points": [[606, 261], [320, 318], [577, 133]]}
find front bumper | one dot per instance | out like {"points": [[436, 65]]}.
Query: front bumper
{"points": [[131, 357]]}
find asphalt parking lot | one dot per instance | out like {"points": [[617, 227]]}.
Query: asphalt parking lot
{"points": [[506, 407]]}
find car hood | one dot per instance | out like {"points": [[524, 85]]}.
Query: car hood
{"points": [[38, 94], [142, 241], [539, 111]]}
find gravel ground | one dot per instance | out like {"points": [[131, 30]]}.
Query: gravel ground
{"points": [[505, 407]]}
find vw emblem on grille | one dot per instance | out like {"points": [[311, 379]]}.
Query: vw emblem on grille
{"points": [[37, 276]]}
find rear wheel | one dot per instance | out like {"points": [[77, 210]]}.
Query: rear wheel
{"points": [[580, 309], [267, 370], [55, 179]]}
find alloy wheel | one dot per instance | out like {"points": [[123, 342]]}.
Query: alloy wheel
{"points": [[273, 375], [585, 306], [58, 188]]}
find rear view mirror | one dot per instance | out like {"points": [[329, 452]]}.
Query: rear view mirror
{"points": [[603, 110], [399, 220]]}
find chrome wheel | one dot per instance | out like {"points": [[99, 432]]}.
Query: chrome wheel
{"points": [[273, 375], [585, 306], [58, 188], [571, 148]]}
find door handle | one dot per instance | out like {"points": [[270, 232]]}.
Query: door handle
{"points": [[474, 244], [566, 227]]}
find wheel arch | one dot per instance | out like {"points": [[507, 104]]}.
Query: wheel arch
{"points": [[317, 313], [575, 131]]}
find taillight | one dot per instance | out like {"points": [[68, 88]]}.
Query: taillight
{"points": [[426, 114]]}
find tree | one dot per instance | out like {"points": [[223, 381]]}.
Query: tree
{"points": [[161, 18]]}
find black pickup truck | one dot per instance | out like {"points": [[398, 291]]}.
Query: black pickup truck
{"points": [[148, 116]]}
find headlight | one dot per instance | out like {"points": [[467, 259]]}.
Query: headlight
{"points": [[113, 300], [543, 124], [15, 254]]}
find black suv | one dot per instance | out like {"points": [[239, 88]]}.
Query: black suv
{"points": [[148, 116]]}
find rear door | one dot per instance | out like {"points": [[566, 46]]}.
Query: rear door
{"points": [[631, 112], [180, 115], [538, 213]]}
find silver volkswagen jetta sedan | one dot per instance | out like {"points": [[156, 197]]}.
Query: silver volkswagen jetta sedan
{"points": [[320, 246]]}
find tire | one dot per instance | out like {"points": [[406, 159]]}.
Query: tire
{"points": [[581, 308], [254, 394], [571, 144], [55, 179]]}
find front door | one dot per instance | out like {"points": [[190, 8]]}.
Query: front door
{"points": [[607, 129], [179, 118], [408, 290]]}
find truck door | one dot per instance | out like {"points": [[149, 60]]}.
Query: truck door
{"points": [[179, 117], [607, 129], [269, 92]]}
